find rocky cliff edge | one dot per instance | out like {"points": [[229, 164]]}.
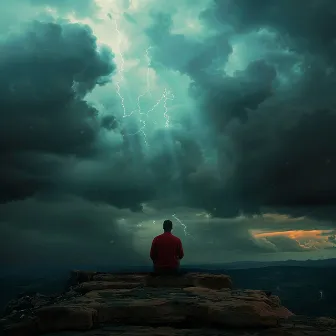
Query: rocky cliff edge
{"points": [[101, 304]]}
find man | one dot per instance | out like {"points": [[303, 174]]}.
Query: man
{"points": [[166, 251]]}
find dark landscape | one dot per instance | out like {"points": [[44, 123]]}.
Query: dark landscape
{"points": [[305, 287], [192, 303]]}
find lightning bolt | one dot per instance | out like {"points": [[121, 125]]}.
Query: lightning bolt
{"points": [[121, 68], [143, 116], [167, 96], [185, 229]]}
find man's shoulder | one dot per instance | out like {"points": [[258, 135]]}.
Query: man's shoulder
{"points": [[176, 238], [171, 237], [158, 237]]}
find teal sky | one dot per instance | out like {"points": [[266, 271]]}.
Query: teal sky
{"points": [[116, 115]]}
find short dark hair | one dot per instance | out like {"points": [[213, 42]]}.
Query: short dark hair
{"points": [[167, 225]]}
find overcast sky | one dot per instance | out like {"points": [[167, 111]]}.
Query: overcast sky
{"points": [[118, 114]]}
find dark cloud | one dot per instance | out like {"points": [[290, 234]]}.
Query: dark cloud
{"points": [[259, 136], [109, 122], [232, 237], [65, 232], [126, 177], [274, 139], [118, 181], [309, 25], [232, 98], [297, 169], [289, 164], [275, 134], [46, 71], [196, 58]]}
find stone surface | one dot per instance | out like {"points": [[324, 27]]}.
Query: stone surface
{"points": [[89, 286], [141, 304], [214, 281]]}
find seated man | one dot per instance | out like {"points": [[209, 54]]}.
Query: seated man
{"points": [[166, 251]]}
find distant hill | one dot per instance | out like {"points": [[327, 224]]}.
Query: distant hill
{"points": [[259, 264]]}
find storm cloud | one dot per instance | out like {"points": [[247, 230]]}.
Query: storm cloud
{"points": [[273, 107], [45, 73], [221, 107]]}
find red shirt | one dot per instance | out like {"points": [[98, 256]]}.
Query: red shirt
{"points": [[166, 251]]}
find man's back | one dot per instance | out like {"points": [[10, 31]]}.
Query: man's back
{"points": [[166, 251]]}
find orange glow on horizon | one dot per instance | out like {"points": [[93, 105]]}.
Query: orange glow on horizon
{"points": [[306, 239], [294, 234]]}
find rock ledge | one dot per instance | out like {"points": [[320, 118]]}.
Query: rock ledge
{"points": [[143, 304]]}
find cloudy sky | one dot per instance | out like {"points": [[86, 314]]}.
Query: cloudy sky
{"points": [[118, 114]]}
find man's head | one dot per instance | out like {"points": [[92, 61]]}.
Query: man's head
{"points": [[167, 225]]}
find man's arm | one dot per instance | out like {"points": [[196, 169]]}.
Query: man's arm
{"points": [[180, 252], [153, 250]]}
